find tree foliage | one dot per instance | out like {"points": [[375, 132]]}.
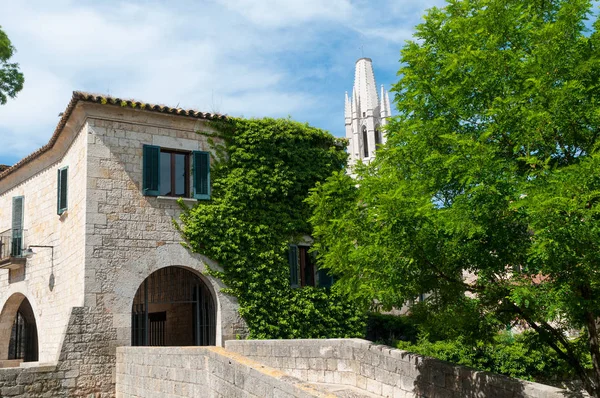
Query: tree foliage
{"points": [[521, 356], [11, 79], [259, 185], [486, 193]]}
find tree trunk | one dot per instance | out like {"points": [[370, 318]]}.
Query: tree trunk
{"points": [[554, 338], [593, 384]]}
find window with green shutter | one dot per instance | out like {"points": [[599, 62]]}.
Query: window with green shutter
{"points": [[17, 226], [324, 279], [62, 190], [201, 175], [166, 172], [303, 269], [294, 266]]}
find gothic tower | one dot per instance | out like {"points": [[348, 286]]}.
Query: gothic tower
{"points": [[365, 114]]}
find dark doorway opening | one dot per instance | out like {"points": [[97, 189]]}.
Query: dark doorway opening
{"points": [[23, 342], [173, 307]]}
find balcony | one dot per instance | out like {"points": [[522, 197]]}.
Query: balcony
{"points": [[12, 243]]}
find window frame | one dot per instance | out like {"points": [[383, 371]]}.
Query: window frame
{"points": [[378, 137], [197, 165], [305, 262], [187, 171]]}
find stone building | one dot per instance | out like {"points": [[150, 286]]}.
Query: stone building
{"points": [[365, 114], [89, 257]]}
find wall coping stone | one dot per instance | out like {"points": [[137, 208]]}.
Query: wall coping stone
{"points": [[434, 373]]}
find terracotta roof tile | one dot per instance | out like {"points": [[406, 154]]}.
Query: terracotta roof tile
{"points": [[104, 100], [130, 103]]}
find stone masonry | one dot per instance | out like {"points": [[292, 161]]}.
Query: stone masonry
{"points": [[81, 285], [109, 240], [382, 370], [202, 372]]}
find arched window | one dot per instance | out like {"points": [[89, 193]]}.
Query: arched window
{"points": [[378, 138], [365, 142]]}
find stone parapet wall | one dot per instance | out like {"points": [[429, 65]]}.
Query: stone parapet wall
{"points": [[202, 372], [34, 382], [383, 370]]}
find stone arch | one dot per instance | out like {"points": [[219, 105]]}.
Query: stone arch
{"points": [[228, 322], [173, 307], [18, 305]]}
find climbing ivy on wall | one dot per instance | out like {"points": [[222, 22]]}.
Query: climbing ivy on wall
{"points": [[261, 176]]}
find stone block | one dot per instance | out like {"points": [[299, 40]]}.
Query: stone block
{"points": [[317, 364], [302, 363], [374, 386]]}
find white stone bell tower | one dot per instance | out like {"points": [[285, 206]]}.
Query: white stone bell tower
{"points": [[365, 114]]}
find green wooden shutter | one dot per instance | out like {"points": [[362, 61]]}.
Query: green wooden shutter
{"points": [[151, 170], [17, 226], [324, 279], [294, 266], [62, 190], [201, 175]]}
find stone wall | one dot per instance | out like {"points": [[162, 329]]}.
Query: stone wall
{"points": [[85, 366], [129, 235], [109, 241], [383, 370], [35, 382], [51, 280], [201, 372]]}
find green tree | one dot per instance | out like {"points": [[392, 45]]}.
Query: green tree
{"points": [[11, 80], [260, 181], [487, 192]]}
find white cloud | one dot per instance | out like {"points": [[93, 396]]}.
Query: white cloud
{"points": [[39, 104], [388, 34], [240, 57], [278, 14]]}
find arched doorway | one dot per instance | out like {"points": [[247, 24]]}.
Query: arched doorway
{"points": [[23, 343], [173, 307], [18, 331]]}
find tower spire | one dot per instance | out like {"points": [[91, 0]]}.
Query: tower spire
{"points": [[385, 103], [368, 111], [383, 108], [355, 103], [386, 99], [347, 109]]}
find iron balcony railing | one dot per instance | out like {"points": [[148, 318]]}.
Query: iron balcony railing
{"points": [[12, 243]]}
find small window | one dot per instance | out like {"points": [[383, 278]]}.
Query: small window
{"points": [[365, 142], [303, 270], [377, 137], [174, 173], [62, 190], [168, 172]]}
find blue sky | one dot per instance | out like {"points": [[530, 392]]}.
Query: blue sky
{"points": [[248, 58]]}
